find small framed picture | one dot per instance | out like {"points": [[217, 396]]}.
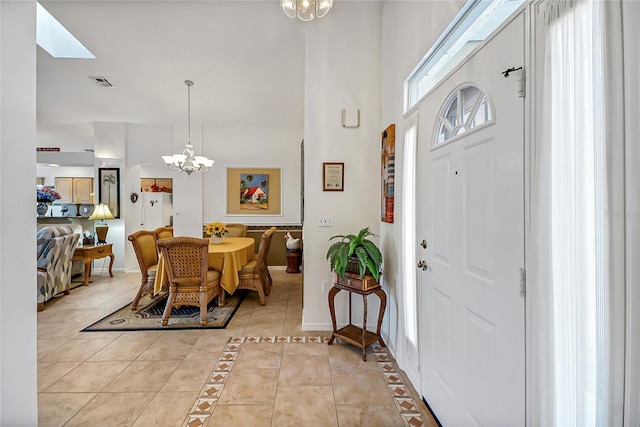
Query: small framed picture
{"points": [[333, 176]]}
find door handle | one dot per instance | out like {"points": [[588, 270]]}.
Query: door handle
{"points": [[423, 244], [423, 265]]}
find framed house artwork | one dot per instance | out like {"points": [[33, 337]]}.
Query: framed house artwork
{"points": [[254, 191], [388, 171], [109, 189]]}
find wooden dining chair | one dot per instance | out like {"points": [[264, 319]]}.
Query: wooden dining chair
{"points": [[269, 282], [236, 230], [190, 280], [144, 246], [163, 232], [254, 274]]}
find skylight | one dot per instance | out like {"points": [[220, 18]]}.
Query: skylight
{"points": [[53, 37], [474, 23]]}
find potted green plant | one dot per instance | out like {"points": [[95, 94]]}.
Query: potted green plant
{"points": [[355, 253]]}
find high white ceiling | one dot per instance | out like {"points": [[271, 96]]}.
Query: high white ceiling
{"points": [[246, 59]]}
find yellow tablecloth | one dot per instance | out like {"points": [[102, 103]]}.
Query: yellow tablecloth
{"points": [[227, 257]]}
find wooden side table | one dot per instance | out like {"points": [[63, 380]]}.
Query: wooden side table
{"points": [[354, 335], [87, 254]]}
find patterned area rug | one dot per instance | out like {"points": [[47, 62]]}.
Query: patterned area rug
{"points": [[148, 315]]}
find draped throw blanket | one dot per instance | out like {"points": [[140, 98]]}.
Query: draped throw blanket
{"points": [[55, 247]]}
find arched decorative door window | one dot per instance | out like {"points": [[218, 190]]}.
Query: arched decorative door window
{"points": [[467, 108]]}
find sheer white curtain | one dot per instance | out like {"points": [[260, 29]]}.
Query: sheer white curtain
{"points": [[631, 35], [574, 272], [409, 236], [409, 244]]}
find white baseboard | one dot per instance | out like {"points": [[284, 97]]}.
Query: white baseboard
{"points": [[319, 326]]}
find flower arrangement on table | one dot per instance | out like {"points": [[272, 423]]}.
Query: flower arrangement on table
{"points": [[47, 195], [217, 229]]}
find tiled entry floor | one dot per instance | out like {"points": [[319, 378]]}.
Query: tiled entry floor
{"points": [[261, 370], [280, 381]]}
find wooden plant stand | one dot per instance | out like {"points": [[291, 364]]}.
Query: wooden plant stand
{"points": [[351, 334]]}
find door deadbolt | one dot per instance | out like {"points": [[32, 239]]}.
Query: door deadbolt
{"points": [[423, 244]]}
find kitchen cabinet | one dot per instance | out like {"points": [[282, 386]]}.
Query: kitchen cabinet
{"points": [[74, 190], [64, 186], [82, 190], [146, 184]]}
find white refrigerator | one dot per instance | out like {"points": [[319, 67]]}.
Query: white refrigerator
{"points": [[156, 210]]}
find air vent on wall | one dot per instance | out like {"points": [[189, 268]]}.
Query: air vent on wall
{"points": [[101, 81]]}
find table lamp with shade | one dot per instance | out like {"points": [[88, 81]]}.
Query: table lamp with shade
{"points": [[100, 213]]}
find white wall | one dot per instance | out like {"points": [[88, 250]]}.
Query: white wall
{"points": [[109, 150], [132, 219], [68, 137], [18, 380], [200, 198], [342, 62], [254, 147], [145, 146]]}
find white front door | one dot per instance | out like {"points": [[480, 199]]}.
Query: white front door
{"points": [[471, 207]]}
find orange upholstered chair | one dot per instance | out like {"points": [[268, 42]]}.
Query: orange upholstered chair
{"points": [[144, 245], [163, 232], [254, 274], [236, 230]]}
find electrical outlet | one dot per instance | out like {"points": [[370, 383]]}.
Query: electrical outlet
{"points": [[325, 221], [325, 286]]}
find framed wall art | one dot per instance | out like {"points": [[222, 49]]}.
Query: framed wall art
{"points": [[333, 177], [109, 189], [254, 191], [388, 172]]}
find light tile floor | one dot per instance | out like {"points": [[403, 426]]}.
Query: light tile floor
{"points": [[262, 370]]}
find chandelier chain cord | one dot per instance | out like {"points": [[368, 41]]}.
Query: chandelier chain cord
{"points": [[189, 113], [188, 162]]}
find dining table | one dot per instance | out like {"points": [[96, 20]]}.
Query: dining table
{"points": [[228, 257]]}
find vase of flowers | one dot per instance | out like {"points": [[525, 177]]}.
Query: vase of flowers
{"points": [[42, 208], [217, 231], [44, 197]]}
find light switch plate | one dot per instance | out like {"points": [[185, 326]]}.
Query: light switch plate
{"points": [[325, 286], [325, 221]]}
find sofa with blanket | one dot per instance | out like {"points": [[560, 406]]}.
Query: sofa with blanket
{"points": [[77, 267], [55, 247]]}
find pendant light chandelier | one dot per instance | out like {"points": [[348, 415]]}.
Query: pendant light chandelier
{"points": [[187, 161], [306, 10]]}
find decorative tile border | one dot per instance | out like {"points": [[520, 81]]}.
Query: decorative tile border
{"points": [[411, 415], [264, 227], [207, 399], [278, 339], [282, 228]]}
